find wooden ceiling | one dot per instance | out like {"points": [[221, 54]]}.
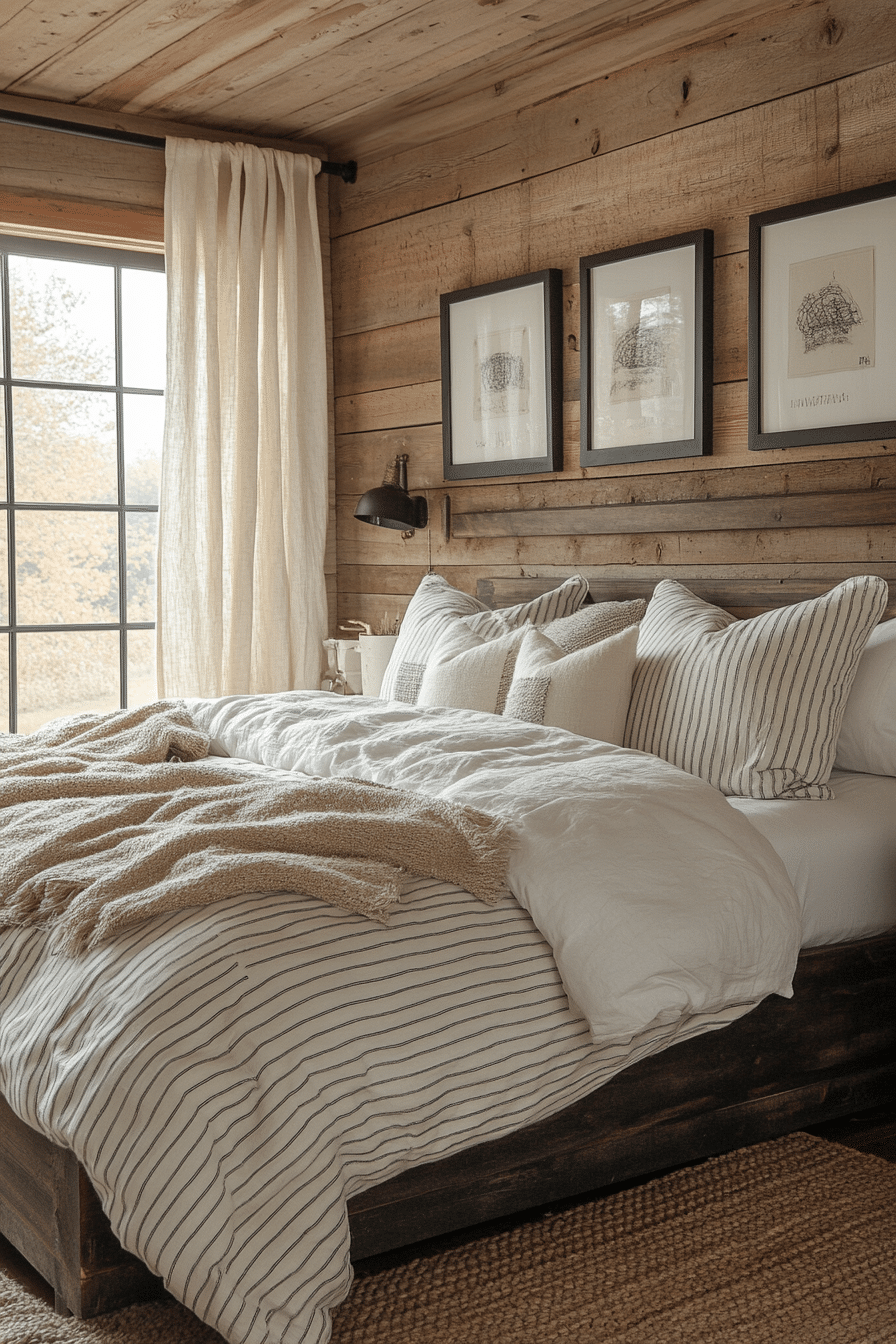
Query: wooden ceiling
{"points": [[366, 78]]}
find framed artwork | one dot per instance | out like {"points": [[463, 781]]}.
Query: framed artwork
{"points": [[502, 394], [646, 343], [822, 349]]}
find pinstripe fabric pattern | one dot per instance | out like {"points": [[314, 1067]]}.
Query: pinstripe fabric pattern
{"points": [[229, 1077], [436, 604], [753, 707], [552, 606]]}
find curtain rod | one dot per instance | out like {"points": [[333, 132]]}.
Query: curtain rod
{"points": [[347, 171]]}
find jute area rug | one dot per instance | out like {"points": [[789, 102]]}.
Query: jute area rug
{"points": [[790, 1242]]}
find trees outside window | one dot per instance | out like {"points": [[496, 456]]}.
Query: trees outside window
{"points": [[83, 363]]}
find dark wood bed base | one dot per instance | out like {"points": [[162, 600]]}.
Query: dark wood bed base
{"points": [[827, 1052]]}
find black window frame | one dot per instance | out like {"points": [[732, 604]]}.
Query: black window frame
{"points": [[119, 259]]}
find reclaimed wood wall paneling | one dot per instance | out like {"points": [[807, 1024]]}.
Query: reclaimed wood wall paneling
{"points": [[713, 172]]}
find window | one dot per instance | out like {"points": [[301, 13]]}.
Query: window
{"points": [[83, 364]]}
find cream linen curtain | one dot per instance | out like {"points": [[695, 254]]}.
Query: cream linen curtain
{"points": [[242, 601]]}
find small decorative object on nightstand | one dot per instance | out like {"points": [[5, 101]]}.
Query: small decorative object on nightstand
{"points": [[376, 650], [343, 674]]}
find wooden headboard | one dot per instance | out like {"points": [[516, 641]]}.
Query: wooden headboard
{"points": [[742, 597]]}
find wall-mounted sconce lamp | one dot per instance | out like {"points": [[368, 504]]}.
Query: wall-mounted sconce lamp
{"points": [[390, 505]]}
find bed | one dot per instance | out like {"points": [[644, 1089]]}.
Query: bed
{"points": [[684, 1094]]}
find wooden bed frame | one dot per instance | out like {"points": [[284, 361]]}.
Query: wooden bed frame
{"points": [[827, 1052]]}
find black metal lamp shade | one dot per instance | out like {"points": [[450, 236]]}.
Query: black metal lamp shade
{"points": [[390, 505]]}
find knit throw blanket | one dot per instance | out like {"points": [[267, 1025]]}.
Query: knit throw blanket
{"points": [[108, 819]]}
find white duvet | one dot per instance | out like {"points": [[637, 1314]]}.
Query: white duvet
{"points": [[656, 901], [230, 1076]]}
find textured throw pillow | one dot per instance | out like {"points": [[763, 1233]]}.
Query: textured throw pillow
{"points": [[753, 707], [468, 671], [436, 607], [594, 623], [868, 733], [586, 692]]}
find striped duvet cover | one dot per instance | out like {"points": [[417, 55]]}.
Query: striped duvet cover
{"points": [[231, 1076]]}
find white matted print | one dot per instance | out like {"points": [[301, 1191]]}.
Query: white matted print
{"points": [[501, 377], [645, 323], [823, 320], [830, 325], [501, 384]]}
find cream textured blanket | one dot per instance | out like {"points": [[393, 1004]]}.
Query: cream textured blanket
{"points": [[108, 819]]}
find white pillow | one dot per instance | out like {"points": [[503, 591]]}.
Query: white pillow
{"points": [[433, 605], [436, 606], [753, 707], [868, 733], [466, 671], [586, 692]]}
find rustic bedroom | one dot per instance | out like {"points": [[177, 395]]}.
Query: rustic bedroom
{"points": [[448, 672]]}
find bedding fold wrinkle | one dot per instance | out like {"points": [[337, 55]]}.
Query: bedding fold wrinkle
{"points": [[107, 820]]}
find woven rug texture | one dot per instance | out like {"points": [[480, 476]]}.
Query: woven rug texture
{"points": [[789, 1242]]}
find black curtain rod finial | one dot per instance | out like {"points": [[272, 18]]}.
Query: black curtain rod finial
{"points": [[347, 171]]}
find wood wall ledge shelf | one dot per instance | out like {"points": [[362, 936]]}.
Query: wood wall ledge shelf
{"points": [[858, 508], [742, 596]]}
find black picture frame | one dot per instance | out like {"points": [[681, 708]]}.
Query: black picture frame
{"points": [[646, 389], [502, 377], [822, 321]]}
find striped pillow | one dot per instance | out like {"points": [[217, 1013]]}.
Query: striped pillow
{"points": [[753, 707], [550, 606], [436, 606]]}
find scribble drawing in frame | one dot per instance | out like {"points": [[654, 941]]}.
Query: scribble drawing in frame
{"points": [[831, 326], [822, 327], [647, 353], [501, 366], [502, 394], [646, 343]]}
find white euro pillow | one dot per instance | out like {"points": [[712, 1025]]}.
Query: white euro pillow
{"points": [[434, 605], [867, 740], [586, 691]]}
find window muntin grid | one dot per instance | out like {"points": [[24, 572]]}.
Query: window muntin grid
{"points": [[79, 496]]}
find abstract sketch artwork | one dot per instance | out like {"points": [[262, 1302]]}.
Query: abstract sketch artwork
{"points": [[646, 350], [502, 363], [822, 335], [646, 354], [502, 398], [831, 314]]}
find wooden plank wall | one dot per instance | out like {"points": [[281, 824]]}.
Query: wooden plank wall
{"points": [[798, 105]]}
